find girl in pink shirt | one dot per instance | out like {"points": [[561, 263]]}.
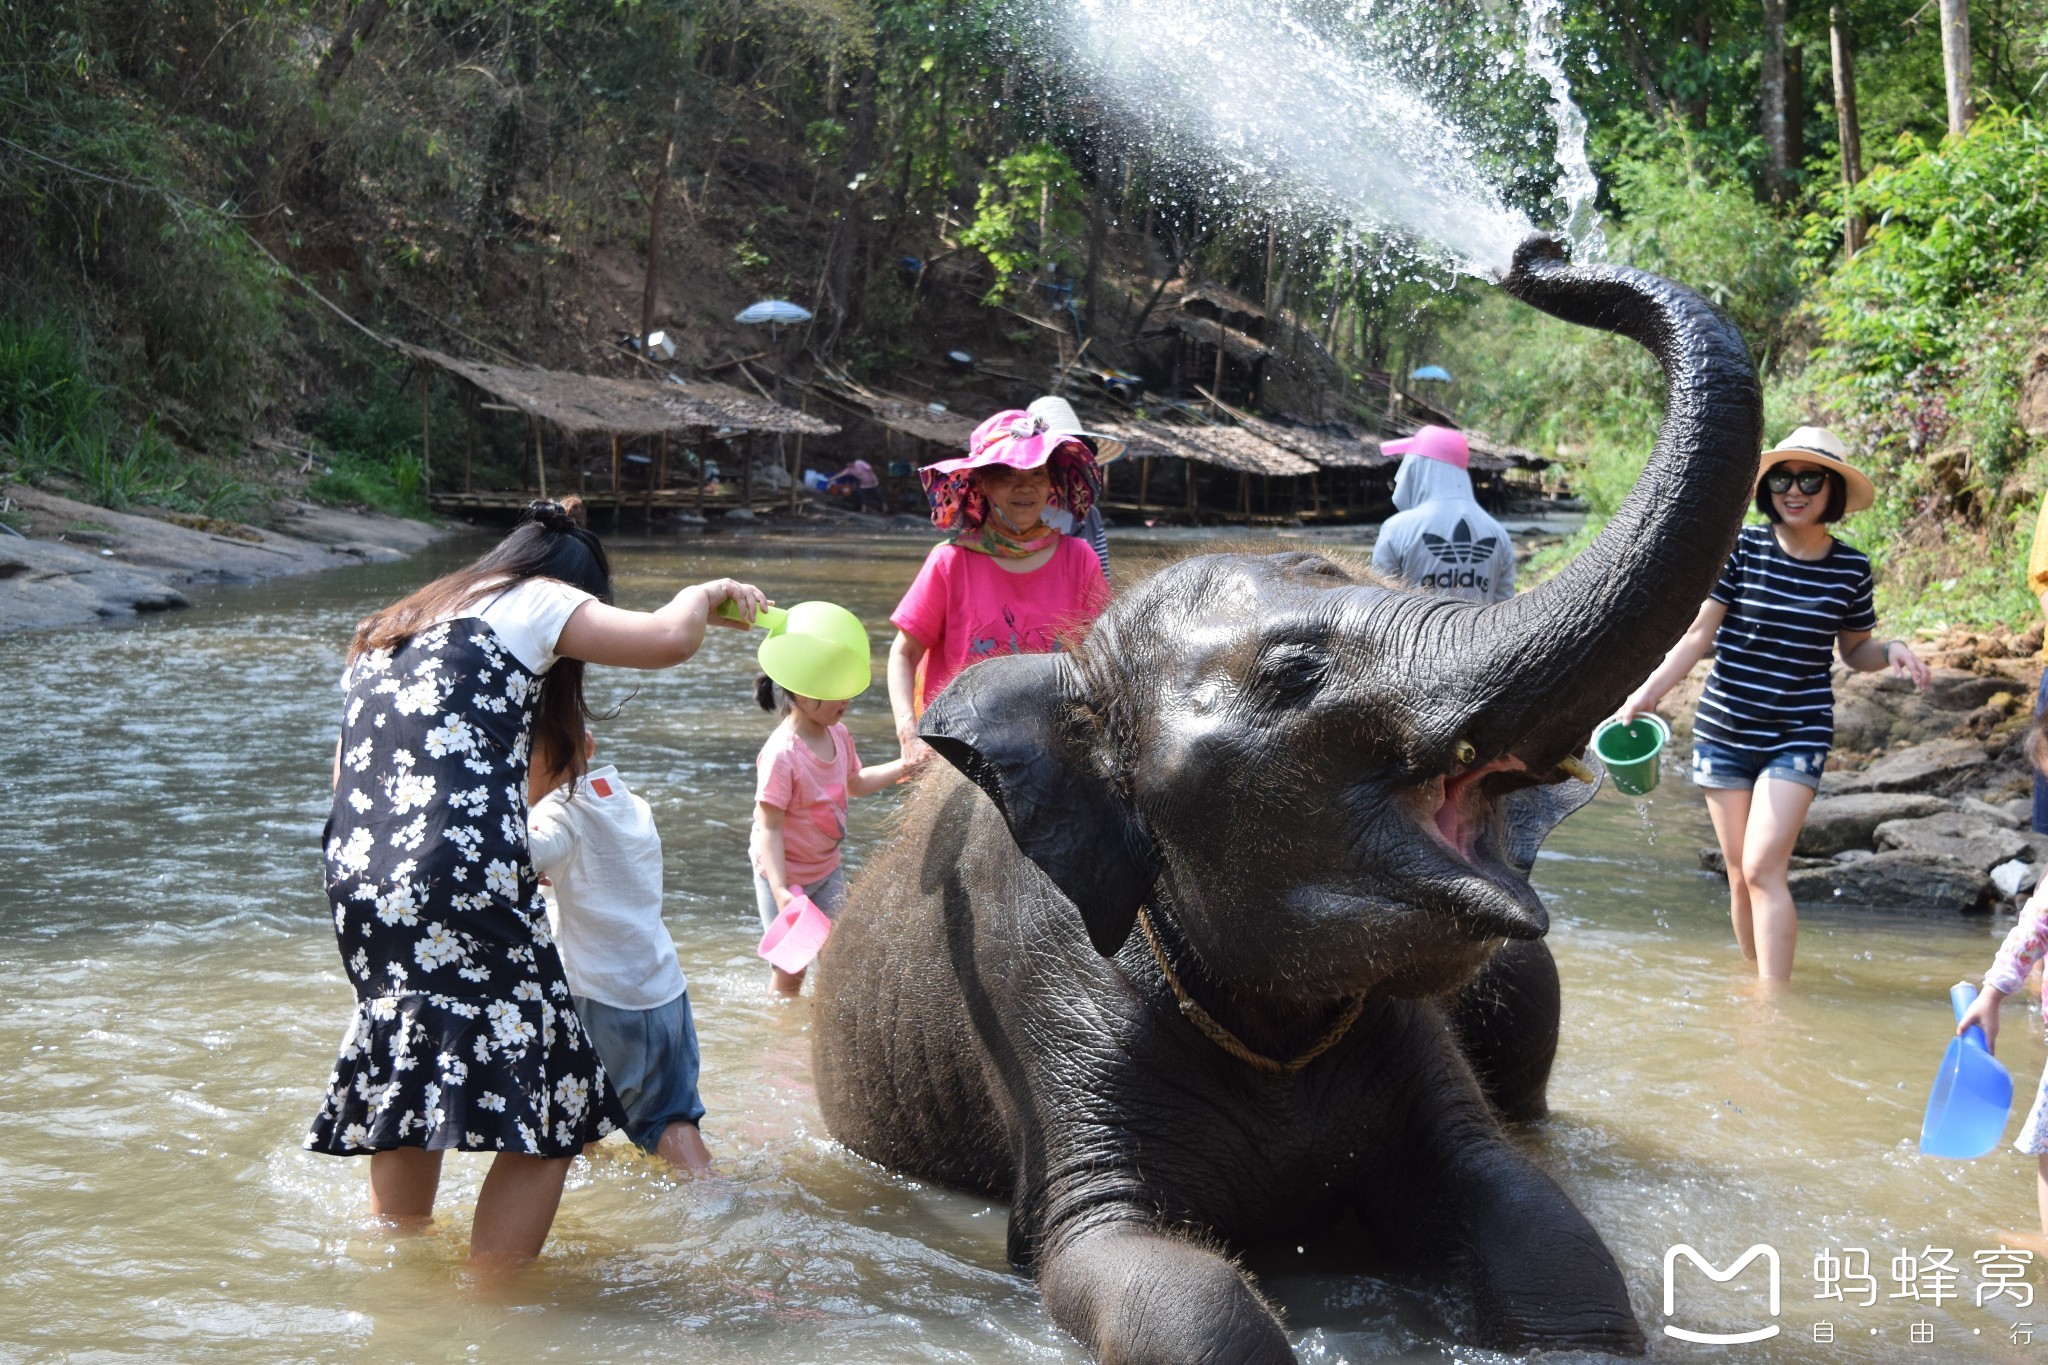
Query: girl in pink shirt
{"points": [[1006, 583], [804, 775], [2024, 946]]}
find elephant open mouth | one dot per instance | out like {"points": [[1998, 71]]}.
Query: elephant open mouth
{"points": [[1469, 862]]}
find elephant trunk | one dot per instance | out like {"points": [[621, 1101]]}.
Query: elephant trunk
{"points": [[1542, 669]]}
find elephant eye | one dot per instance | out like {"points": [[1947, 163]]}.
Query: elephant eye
{"points": [[1290, 674]]}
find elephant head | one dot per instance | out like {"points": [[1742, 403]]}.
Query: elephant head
{"points": [[1328, 784]]}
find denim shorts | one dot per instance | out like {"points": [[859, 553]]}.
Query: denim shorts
{"points": [[828, 893], [651, 1057], [1721, 767]]}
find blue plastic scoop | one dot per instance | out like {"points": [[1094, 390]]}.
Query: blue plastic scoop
{"points": [[1972, 1096]]}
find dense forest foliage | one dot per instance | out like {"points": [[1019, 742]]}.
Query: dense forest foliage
{"points": [[204, 197]]}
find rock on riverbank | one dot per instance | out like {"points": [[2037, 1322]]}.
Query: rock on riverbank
{"points": [[78, 563], [1926, 803]]}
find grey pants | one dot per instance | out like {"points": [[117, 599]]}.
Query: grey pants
{"points": [[829, 894]]}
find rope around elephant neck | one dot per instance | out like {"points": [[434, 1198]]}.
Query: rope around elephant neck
{"points": [[1222, 1036]]}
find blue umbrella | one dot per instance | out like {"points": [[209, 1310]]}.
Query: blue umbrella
{"points": [[773, 311], [1436, 372]]}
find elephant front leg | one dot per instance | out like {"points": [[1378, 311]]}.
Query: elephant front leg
{"points": [[1539, 1274], [1133, 1293]]}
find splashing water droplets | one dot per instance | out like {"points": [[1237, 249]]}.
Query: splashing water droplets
{"points": [[1298, 125]]}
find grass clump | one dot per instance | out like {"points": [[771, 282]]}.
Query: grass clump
{"points": [[374, 462], [393, 484], [59, 425]]}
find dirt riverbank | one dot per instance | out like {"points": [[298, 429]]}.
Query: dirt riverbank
{"points": [[66, 563]]}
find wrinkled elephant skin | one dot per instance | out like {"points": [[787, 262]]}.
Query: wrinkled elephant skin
{"points": [[1223, 929]]}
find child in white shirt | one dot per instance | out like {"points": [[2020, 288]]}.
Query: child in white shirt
{"points": [[596, 844]]}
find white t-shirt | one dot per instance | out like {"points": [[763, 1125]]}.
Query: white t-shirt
{"points": [[602, 859], [528, 619]]}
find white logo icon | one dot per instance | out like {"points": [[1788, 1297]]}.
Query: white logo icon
{"points": [[1770, 1257]]}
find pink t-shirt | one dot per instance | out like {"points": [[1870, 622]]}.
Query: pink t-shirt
{"points": [[811, 793], [964, 607]]}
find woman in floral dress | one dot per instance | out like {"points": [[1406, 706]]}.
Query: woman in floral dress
{"points": [[464, 1037]]}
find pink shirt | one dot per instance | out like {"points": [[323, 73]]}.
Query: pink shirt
{"points": [[964, 607], [811, 793]]}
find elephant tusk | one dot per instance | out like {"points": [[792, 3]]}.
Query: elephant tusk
{"points": [[1573, 767]]}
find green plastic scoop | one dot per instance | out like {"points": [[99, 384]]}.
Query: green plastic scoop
{"points": [[818, 650]]}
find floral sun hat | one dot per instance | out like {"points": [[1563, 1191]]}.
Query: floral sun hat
{"points": [[1018, 440]]}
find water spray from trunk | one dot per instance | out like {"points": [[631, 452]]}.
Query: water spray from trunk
{"points": [[1279, 116]]}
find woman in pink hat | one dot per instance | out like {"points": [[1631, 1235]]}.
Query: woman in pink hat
{"points": [[1006, 583]]}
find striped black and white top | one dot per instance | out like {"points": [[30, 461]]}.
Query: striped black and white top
{"points": [[1769, 689]]}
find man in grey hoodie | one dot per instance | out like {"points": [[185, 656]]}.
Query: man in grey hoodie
{"points": [[1439, 537]]}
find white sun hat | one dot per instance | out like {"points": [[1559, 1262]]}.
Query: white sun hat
{"points": [[1061, 420], [1818, 445]]}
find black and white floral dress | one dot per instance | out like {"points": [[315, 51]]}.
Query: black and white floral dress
{"points": [[464, 1035]]}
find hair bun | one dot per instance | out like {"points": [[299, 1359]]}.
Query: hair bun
{"points": [[555, 516]]}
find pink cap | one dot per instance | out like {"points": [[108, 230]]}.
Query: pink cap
{"points": [[1434, 443]]}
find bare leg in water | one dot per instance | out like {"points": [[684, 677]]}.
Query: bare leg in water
{"points": [[513, 1212], [682, 1147], [1757, 830]]}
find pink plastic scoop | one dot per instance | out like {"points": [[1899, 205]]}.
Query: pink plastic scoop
{"points": [[797, 934]]}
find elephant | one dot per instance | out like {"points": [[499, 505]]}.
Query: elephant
{"points": [[1216, 927]]}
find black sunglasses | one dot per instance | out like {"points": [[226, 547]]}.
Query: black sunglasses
{"points": [[1810, 481]]}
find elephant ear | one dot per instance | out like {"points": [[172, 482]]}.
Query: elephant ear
{"points": [[1015, 726], [1533, 812]]}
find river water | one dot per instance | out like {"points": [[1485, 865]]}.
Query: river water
{"points": [[174, 1000]]}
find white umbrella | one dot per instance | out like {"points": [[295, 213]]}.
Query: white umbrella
{"points": [[779, 311]]}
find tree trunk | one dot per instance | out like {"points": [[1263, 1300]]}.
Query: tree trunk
{"points": [[1795, 108], [1771, 89], [1639, 63], [1703, 39], [1955, 63], [652, 289], [1847, 132], [860, 150], [501, 162], [1271, 230], [1098, 217], [356, 32]]}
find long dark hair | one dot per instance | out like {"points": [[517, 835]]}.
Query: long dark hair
{"points": [[548, 542], [772, 696]]}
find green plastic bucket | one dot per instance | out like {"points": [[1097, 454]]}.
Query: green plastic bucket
{"points": [[1631, 752]]}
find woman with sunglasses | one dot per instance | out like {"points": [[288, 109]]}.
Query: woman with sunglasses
{"points": [[1790, 596]]}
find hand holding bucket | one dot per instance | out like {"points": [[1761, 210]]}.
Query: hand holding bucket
{"points": [[797, 934], [1631, 752], [1972, 1095]]}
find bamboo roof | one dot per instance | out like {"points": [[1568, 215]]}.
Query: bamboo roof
{"points": [[1219, 297], [1491, 457], [598, 405], [1239, 345], [1224, 447], [1501, 455], [1353, 449], [905, 415]]}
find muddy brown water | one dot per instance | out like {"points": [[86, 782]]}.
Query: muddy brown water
{"points": [[173, 1001]]}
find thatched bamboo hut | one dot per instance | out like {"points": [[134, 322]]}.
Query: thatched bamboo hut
{"points": [[637, 419]]}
